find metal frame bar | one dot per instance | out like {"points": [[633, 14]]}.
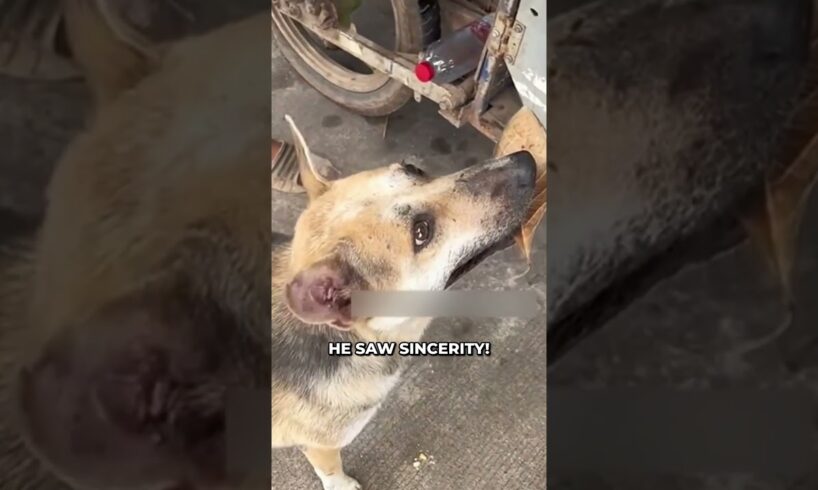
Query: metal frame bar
{"points": [[491, 77], [459, 104], [491, 74], [399, 66]]}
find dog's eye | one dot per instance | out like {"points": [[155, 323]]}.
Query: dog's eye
{"points": [[422, 231], [412, 170]]}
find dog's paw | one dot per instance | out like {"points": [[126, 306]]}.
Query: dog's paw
{"points": [[341, 482]]}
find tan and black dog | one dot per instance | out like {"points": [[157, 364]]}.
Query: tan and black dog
{"points": [[389, 229], [146, 291]]}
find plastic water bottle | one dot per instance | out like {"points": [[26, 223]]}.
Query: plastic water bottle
{"points": [[455, 55]]}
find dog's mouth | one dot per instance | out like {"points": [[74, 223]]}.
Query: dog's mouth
{"points": [[474, 259]]}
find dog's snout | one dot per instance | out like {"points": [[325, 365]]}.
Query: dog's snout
{"points": [[509, 178]]}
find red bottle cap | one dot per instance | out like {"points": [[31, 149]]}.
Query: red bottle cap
{"points": [[424, 71]]}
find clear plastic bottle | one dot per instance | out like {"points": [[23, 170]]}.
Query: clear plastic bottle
{"points": [[455, 55]]}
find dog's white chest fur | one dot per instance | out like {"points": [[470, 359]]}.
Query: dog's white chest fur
{"points": [[353, 430], [360, 391]]}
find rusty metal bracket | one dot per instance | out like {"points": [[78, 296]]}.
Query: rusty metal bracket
{"points": [[515, 39], [491, 74]]}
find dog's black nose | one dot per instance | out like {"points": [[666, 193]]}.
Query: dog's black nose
{"points": [[510, 178], [524, 168]]}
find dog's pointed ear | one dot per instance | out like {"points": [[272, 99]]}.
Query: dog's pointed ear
{"points": [[109, 64], [316, 172], [132, 397]]}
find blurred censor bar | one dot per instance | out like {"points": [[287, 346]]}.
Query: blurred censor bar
{"points": [[441, 304]]}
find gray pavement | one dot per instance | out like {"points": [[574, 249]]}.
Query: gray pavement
{"points": [[37, 119]]}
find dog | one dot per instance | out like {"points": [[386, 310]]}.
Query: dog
{"points": [[144, 293], [392, 228], [155, 281]]}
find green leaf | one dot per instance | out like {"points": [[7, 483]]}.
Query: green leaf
{"points": [[345, 10]]}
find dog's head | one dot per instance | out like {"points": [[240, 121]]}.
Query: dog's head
{"points": [[396, 228]]}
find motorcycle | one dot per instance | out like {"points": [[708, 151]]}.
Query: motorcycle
{"points": [[510, 74]]}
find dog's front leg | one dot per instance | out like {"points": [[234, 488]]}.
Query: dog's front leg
{"points": [[329, 468]]}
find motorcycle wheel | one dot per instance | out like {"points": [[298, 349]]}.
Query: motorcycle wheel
{"points": [[368, 94]]}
